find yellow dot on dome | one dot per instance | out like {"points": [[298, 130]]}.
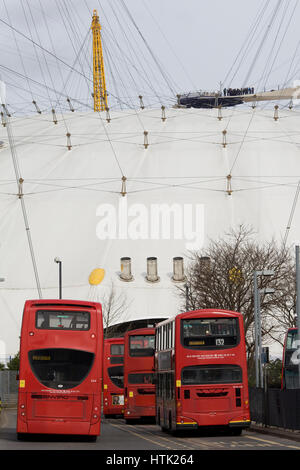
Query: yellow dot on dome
{"points": [[96, 276]]}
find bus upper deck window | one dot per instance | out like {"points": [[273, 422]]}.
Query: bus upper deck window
{"points": [[142, 345], [62, 320]]}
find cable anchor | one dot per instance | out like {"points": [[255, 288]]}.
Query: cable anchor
{"points": [[3, 119], [146, 142], [224, 138], [54, 116], [36, 107], [108, 118], [123, 189], [70, 105], [142, 106], [229, 187]]}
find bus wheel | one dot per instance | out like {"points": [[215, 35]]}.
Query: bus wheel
{"points": [[170, 423], [236, 431], [129, 421], [21, 436], [158, 418]]}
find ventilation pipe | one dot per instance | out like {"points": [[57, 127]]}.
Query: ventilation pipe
{"points": [[152, 270], [126, 269], [178, 270]]}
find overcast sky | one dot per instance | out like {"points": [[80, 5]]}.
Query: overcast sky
{"points": [[152, 47]]}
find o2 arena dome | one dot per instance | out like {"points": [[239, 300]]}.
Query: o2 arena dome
{"points": [[91, 207], [122, 196]]}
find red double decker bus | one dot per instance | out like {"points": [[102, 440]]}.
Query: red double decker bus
{"points": [[290, 361], [113, 377], [201, 369], [60, 377], [139, 386]]}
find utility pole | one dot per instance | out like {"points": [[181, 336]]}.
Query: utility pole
{"points": [[59, 262], [298, 301], [100, 92], [255, 289], [257, 323]]}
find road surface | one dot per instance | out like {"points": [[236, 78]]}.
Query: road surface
{"points": [[117, 435]]}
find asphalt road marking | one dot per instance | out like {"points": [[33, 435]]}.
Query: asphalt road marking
{"points": [[273, 442], [172, 440], [152, 433], [141, 436], [193, 443], [196, 443]]}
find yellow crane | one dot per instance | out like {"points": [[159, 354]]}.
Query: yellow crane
{"points": [[100, 93]]}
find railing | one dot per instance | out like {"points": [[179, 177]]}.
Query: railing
{"points": [[8, 387], [275, 407]]}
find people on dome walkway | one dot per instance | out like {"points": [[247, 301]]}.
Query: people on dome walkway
{"points": [[238, 91]]}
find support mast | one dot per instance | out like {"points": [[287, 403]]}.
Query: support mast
{"points": [[100, 93]]}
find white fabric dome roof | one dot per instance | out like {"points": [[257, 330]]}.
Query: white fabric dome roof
{"points": [[185, 163]]}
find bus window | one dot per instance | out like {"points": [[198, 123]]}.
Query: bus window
{"points": [[202, 333], [141, 378], [57, 320], [290, 369], [291, 339], [141, 345], [60, 368], [116, 375], [211, 374], [117, 350]]}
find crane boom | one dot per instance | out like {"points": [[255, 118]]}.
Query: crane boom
{"points": [[100, 92]]}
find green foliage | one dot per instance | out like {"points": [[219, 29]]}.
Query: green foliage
{"points": [[274, 371], [14, 363]]}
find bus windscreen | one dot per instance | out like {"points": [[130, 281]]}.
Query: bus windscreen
{"points": [[116, 375], [60, 369], [214, 333], [291, 342]]}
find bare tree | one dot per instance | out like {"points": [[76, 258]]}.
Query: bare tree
{"points": [[114, 309], [221, 276]]}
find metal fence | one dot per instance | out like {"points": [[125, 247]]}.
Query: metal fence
{"points": [[275, 407], [8, 387]]}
